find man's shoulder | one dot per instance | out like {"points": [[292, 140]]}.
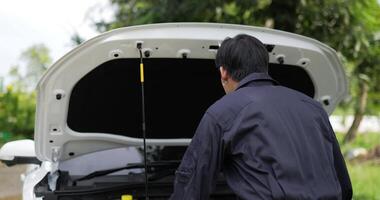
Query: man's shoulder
{"points": [[228, 107], [294, 97]]}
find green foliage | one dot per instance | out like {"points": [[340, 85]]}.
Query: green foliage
{"points": [[36, 60], [157, 11], [18, 100], [365, 180], [350, 26], [17, 110], [76, 39]]}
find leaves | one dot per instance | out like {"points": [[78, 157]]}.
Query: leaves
{"points": [[17, 111], [18, 100], [35, 60]]}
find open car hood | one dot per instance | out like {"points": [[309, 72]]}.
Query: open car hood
{"points": [[89, 100]]}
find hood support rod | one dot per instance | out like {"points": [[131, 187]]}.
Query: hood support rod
{"points": [[139, 46]]}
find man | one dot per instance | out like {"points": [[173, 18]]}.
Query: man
{"points": [[269, 141]]}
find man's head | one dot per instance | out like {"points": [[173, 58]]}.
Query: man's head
{"points": [[238, 57]]}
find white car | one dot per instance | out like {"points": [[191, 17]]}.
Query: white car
{"points": [[88, 135]]}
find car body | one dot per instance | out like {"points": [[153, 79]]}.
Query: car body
{"points": [[88, 115]]}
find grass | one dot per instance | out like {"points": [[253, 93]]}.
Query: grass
{"points": [[365, 176], [365, 140], [365, 180]]}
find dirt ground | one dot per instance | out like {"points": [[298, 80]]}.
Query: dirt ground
{"points": [[10, 183]]}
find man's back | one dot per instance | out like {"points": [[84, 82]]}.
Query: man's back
{"points": [[270, 142], [278, 143]]}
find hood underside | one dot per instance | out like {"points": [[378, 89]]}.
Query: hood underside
{"points": [[90, 100], [177, 93]]}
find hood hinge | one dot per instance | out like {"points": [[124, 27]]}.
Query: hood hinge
{"points": [[53, 175]]}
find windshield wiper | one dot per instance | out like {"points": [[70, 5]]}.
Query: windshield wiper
{"points": [[168, 166]]}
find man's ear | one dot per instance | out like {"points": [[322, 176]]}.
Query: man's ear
{"points": [[223, 74]]}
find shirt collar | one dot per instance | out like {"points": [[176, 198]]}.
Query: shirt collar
{"points": [[256, 77]]}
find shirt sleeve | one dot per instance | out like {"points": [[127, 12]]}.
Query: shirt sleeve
{"points": [[201, 163], [340, 165], [341, 171]]}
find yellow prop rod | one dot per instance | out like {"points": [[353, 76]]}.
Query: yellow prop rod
{"points": [[143, 119], [142, 72]]}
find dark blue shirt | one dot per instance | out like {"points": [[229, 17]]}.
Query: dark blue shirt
{"points": [[270, 142]]}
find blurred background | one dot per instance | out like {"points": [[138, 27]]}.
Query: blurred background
{"points": [[34, 34]]}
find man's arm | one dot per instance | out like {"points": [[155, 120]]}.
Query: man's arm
{"points": [[339, 163], [341, 171], [197, 173]]}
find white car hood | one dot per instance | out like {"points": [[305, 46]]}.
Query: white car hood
{"points": [[56, 141]]}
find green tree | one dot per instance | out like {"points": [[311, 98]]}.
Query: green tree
{"points": [[349, 26], [18, 100], [17, 110], [36, 60], [76, 39]]}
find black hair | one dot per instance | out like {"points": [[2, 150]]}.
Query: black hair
{"points": [[241, 56]]}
